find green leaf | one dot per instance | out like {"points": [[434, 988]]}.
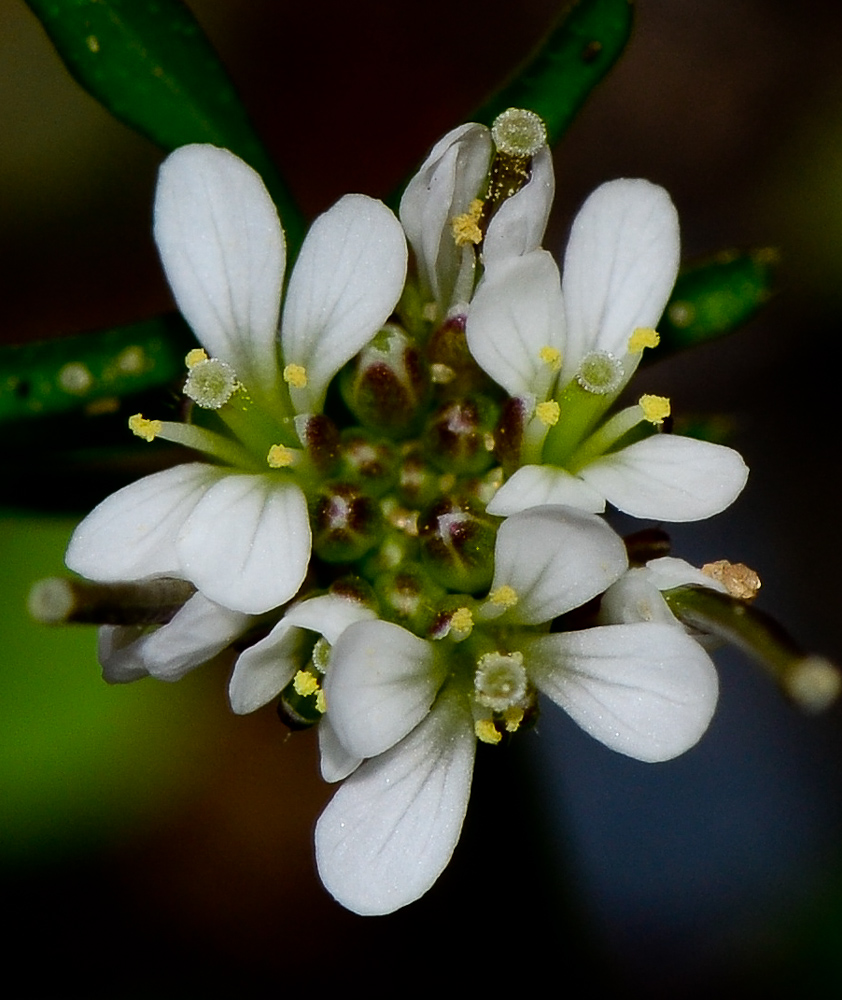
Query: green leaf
{"points": [[557, 78], [150, 64], [86, 372], [713, 298]]}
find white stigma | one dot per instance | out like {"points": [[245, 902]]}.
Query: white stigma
{"points": [[600, 373], [518, 132], [500, 681], [211, 383]]}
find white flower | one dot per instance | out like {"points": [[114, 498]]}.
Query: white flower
{"points": [[239, 530], [449, 183], [414, 707], [566, 347]]}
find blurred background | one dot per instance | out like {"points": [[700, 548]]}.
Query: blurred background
{"points": [[152, 842]]}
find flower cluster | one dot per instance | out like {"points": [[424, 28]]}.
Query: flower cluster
{"points": [[389, 553]]}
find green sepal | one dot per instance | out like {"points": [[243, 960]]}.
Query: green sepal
{"points": [[150, 64], [713, 298], [77, 373], [557, 77]]}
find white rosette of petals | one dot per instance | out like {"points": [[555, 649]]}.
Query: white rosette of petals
{"points": [[388, 702], [244, 539], [619, 269]]}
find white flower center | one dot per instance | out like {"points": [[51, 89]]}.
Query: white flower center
{"points": [[600, 372], [500, 681], [211, 383]]}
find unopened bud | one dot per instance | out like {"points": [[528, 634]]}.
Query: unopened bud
{"points": [[457, 545], [459, 435], [387, 384], [346, 523]]}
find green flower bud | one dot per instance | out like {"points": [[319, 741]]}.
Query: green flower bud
{"points": [[409, 597], [346, 523], [367, 461], [457, 544], [387, 385], [459, 435]]}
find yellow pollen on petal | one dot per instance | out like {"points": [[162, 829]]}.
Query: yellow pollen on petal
{"points": [[513, 718], [551, 356], [462, 621], [505, 596], [738, 579], [194, 357], [143, 428], [487, 732], [466, 226], [644, 336], [305, 683], [321, 701], [656, 409], [296, 376], [279, 457], [548, 413]]}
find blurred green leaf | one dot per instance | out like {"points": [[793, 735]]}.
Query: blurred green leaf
{"points": [[91, 371], [150, 64], [713, 298], [558, 76]]}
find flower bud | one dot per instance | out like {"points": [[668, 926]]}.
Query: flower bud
{"points": [[409, 597], [386, 386], [367, 461], [452, 365], [346, 523], [320, 437], [459, 436], [457, 544]]}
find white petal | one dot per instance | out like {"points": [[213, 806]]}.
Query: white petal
{"points": [[391, 829], [222, 248], [634, 598], [449, 179], [380, 685], [131, 534], [335, 762], [263, 670], [668, 572], [247, 543], [517, 227], [619, 268], [540, 485], [329, 615], [345, 284], [116, 652], [669, 478], [555, 558], [646, 690], [515, 313], [199, 631]]}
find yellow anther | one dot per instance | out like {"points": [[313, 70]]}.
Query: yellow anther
{"points": [[505, 596], [513, 718], [429, 312], [441, 374], [487, 732], [644, 336], [321, 701], [296, 376], [143, 428], [279, 457], [656, 409], [194, 357], [738, 579], [548, 413], [462, 621], [305, 683], [466, 226], [551, 356]]}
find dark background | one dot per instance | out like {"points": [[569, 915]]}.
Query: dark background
{"points": [[155, 843]]}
